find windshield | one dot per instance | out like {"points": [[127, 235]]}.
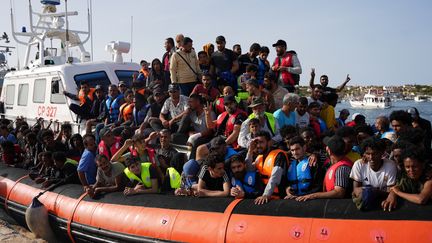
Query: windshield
{"points": [[126, 76]]}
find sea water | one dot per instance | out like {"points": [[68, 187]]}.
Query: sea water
{"points": [[424, 108]]}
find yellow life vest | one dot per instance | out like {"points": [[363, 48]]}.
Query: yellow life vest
{"points": [[145, 174], [175, 178], [270, 118]]}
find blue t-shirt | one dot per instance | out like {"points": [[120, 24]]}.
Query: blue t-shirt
{"points": [[10, 138], [283, 119], [87, 165]]}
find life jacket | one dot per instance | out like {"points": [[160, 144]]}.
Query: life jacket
{"points": [[270, 119], [83, 98], [299, 176], [219, 105], [113, 107], [330, 176], [248, 182], [175, 177], [140, 114], [71, 161], [126, 111], [265, 168], [229, 126], [144, 177], [285, 61], [150, 154], [109, 152]]}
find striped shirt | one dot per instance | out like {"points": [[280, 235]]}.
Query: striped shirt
{"points": [[343, 177], [213, 184]]}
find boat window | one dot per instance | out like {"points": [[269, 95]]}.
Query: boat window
{"points": [[39, 90], [93, 79], [57, 96], [126, 76], [23, 91], [10, 94]]}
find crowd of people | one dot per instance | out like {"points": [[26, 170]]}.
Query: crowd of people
{"points": [[247, 130]]}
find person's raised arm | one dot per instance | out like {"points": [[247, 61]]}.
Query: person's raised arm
{"points": [[312, 79], [234, 135], [342, 86], [117, 157]]}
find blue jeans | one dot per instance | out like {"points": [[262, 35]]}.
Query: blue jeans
{"points": [[186, 88]]}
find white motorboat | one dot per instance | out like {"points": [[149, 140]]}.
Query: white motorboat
{"points": [[421, 98], [372, 100]]}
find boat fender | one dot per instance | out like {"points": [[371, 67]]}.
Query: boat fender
{"points": [[36, 217]]}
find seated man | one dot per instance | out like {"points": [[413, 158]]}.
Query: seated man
{"points": [[268, 122], [229, 122], [47, 168], [270, 164], [373, 176], [206, 90], [245, 184], [142, 177], [109, 144], [109, 177], [218, 145], [213, 180], [174, 108], [336, 181], [286, 116], [301, 176], [85, 96], [415, 185], [66, 170], [348, 134]]}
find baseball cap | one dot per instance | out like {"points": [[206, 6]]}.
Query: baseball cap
{"points": [[229, 98], [280, 43], [412, 112], [220, 39], [256, 102], [98, 87], [104, 131], [173, 87], [157, 91], [122, 83]]}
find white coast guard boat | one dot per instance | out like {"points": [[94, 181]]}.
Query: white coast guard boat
{"points": [[36, 91], [372, 100]]}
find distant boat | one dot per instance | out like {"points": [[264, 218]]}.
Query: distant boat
{"points": [[372, 100], [421, 98]]}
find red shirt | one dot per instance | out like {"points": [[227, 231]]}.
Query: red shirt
{"points": [[200, 89]]}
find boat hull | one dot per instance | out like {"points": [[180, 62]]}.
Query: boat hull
{"points": [[150, 218], [361, 104]]}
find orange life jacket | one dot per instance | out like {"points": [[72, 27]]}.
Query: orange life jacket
{"points": [[126, 111], [82, 97], [265, 167]]}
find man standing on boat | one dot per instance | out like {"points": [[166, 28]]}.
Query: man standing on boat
{"points": [[324, 82], [170, 49], [224, 65], [184, 67], [286, 66]]}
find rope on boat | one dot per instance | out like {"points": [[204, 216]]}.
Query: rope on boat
{"points": [[10, 192], [69, 222]]}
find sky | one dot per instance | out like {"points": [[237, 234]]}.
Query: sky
{"points": [[384, 42]]}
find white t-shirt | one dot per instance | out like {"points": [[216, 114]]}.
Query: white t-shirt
{"points": [[381, 179], [302, 121]]}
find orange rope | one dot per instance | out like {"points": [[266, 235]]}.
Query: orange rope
{"points": [[10, 192], [69, 230], [225, 220]]}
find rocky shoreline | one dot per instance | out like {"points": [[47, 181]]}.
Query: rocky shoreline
{"points": [[10, 231]]}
